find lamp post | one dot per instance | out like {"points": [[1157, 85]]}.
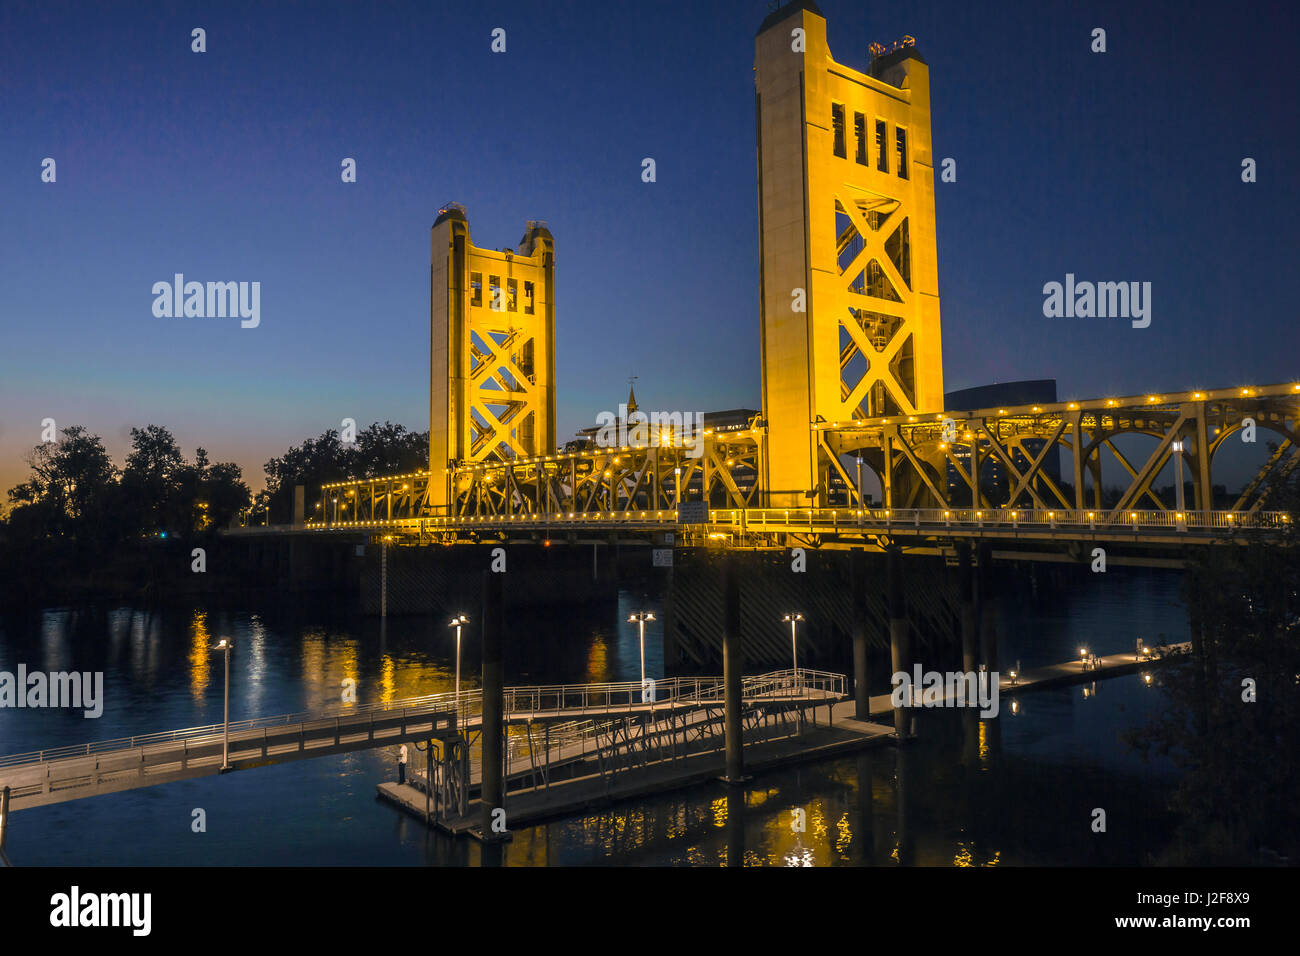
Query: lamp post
{"points": [[225, 645], [793, 618], [862, 501], [639, 619], [458, 622], [1177, 449]]}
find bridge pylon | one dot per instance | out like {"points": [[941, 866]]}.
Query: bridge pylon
{"points": [[492, 351], [849, 277]]}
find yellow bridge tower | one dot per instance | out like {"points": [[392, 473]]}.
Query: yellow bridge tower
{"points": [[849, 279], [492, 369]]}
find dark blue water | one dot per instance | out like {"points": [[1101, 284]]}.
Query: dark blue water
{"points": [[1018, 790]]}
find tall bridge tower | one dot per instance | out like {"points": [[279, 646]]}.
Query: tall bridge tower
{"points": [[849, 289], [492, 368]]}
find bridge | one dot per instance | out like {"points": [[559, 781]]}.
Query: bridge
{"points": [[575, 717], [852, 373], [852, 401]]}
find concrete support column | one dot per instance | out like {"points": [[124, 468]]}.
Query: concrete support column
{"points": [[900, 651], [492, 624], [988, 610], [732, 664], [858, 585], [671, 650], [966, 604]]}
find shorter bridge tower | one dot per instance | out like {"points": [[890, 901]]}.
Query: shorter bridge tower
{"points": [[492, 368]]}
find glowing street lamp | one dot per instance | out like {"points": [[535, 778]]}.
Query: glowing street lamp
{"points": [[459, 621], [225, 645], [1177, 449], [793, 618], [639, 619]]}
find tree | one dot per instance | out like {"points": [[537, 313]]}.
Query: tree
{"points": [[380, 450], [70, 482], [154, 481], [1237, 796], [223, 491]]}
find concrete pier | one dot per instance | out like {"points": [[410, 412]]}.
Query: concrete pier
{"points": [[900, 654], [858, 584], [732, 669], [966, 604], [493, 618]]}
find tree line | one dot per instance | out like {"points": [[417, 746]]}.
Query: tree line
{"points": [[78, 506]]}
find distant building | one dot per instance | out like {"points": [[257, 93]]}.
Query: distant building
{"points": [[730, 420]]}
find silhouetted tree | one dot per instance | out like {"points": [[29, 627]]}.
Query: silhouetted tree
{"points": [[1237, 796], [70, 483], [379, 450]]}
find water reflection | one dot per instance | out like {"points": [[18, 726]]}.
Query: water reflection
{"points": [[967, 792], [200, 654]]}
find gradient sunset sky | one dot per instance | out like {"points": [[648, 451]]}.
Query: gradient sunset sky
{"points": [[224, 166]]}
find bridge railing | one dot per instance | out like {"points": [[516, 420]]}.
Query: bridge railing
{"points": [[605, 697], [421, 705], [845, 519], [769, 519], [579, 698], [804, 682]]}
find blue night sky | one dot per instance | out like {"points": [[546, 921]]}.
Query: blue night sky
{"points": [[225, 166]]}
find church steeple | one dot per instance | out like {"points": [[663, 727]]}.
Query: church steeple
{"points": [[631, 395]]}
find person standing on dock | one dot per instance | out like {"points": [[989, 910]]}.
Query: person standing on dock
{"points": [[401, 766]]}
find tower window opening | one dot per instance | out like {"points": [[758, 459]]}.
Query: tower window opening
{"points": [[476, 288], [512, 294], [860, 132], [900, 140], [837, 122], [528, 298], [882, 146]]}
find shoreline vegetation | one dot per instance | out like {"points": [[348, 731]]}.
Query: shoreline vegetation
{"points": [[81, 528]]}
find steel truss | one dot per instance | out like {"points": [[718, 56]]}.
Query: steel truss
{"points": [[912, 454]]}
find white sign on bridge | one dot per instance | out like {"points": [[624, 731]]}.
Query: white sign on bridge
{"points": [[662, 558]]}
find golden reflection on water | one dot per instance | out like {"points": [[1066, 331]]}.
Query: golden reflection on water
{"points": [[200, 654], [388, 680], [845, 836], [719, 808], [597, 660], [329, 661]]}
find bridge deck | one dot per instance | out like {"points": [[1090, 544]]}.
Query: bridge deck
{"points": [[535, 802], [842, 733], [69, 773]]}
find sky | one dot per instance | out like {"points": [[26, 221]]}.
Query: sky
{"points": [[225, 166]]}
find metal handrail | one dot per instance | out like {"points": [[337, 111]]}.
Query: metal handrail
{"points": [[468, 706], [835, 518]]}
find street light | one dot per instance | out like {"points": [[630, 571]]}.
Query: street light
{"points": [[1177, 448], [458, 622], [225, 645], [862, 501], [793, 618], [640, 618]]}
